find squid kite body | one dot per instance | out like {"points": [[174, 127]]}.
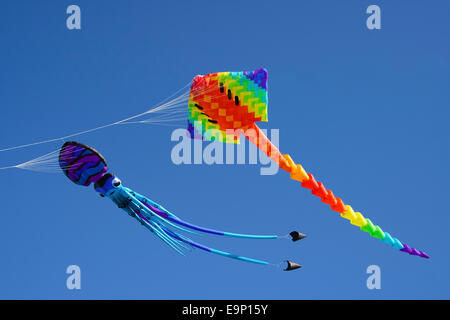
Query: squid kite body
{"points": [[84, 165]]}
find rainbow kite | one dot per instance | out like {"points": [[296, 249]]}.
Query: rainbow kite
{"points": [[225, 105]]}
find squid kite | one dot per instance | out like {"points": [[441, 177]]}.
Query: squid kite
{"points": [[225, 105], [84, 165]]}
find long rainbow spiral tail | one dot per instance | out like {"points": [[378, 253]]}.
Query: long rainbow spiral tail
{"points": [[318, 189]]}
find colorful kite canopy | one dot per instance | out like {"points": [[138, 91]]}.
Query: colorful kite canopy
{"points": [[227, 102], [231, 102]]}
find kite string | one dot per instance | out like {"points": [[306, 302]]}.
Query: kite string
{"points": [[160, 106], [168, 114], [10, 167]]}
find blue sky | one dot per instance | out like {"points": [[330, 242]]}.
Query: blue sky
{"points": [[366, 111]]}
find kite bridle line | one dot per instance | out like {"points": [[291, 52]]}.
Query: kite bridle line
{"points": [[159, 107], [167, 110]]}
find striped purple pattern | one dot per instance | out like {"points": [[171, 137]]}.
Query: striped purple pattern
{"points": [[81, 164]]}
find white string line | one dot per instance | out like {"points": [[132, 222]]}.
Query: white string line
{"points": [[46, 161], [167, 113], [156, 109], [10, 167], [156, 122], [163, 124], [183, 98], [167, 117]]}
